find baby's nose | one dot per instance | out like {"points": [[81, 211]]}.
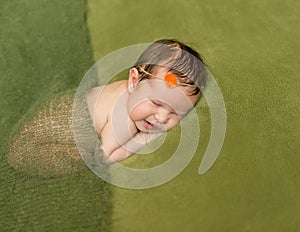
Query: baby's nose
{"points": [[162, 115]]}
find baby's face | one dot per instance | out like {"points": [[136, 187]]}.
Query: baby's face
{"points": [[155, 107]]}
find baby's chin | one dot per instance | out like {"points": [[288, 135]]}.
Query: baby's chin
{"points": [[146, 127]]}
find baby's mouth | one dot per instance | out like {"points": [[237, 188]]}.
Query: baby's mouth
{"points": [[150, 126]]}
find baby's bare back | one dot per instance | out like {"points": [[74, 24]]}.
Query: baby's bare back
{"points": [[107, 103]]}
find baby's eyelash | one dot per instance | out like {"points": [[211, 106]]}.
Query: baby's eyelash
{"points": [[172, 112], [155, 103]]}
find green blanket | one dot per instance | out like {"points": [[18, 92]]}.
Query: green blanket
{"points": [[252, 51], [44, 50]]}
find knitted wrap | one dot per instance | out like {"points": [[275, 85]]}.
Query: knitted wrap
{"points": [[44, 144]]}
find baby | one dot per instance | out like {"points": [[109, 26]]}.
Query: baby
{"points": [[162, 87]]}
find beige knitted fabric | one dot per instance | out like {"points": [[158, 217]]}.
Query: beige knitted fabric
{"points": [[44, 145]]}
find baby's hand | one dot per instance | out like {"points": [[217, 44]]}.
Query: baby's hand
{"points": [[140, 140], [131, 147]]}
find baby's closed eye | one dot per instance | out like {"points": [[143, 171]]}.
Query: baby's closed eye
{"points": [[158, 103], [155, 102]]}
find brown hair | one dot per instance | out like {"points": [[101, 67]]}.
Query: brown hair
{"points": [[180, 59]]}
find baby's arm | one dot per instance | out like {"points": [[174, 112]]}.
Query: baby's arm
{"points": [[112, 148], [132, 146]]}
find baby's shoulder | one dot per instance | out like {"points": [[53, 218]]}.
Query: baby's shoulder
{"points": [[118, 86], [102, 99], [108, 92]]}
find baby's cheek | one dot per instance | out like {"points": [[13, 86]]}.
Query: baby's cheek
{"points": [[174, 121], [133, 115], [137, 113], [134, 111]]}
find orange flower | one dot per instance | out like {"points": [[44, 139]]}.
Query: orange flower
{"points": [[171, 80]]}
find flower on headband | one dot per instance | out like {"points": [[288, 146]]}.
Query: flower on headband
{"points": [[170, 80]]}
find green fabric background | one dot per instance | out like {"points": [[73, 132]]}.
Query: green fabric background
{"points": [[252, 50], [44, 50]]}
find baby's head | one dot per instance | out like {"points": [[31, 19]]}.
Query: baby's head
{"points": [[177, 58], [159, 105]]}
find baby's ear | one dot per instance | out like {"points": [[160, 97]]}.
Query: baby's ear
{"points": [[132, 79]]}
